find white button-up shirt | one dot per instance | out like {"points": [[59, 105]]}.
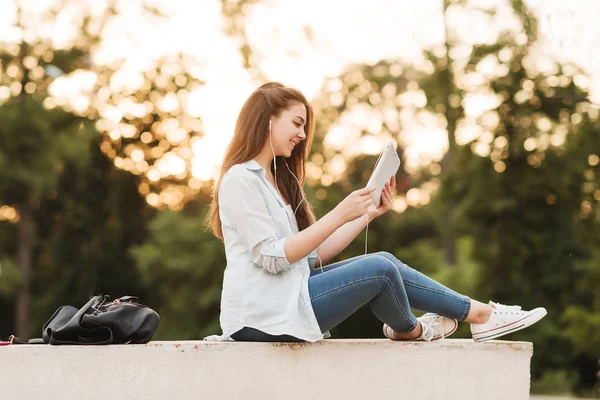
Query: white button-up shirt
{"points": [[261, 289]]}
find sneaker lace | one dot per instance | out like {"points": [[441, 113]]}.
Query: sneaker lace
{"points": [[433, 326]]}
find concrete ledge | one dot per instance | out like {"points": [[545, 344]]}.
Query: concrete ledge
{"points": [[330, 369]]}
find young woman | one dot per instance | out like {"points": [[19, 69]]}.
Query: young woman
{"points": [[273, 289]]}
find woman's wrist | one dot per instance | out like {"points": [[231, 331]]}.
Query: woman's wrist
{"points": [[338, 216], [371, 216]]}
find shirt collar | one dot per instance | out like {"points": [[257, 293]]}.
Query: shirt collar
{"points": [[253, 165]]}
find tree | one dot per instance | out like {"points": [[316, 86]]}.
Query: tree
{"points": [[86, 227], [43, 128], [29, 167], [523, 188], [184, 264]]}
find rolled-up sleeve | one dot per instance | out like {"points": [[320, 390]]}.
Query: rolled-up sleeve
{"points": [[249, 216]]}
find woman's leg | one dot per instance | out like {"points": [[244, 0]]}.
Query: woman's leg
{"points": [[488, 321], [344, 287], [248, 334], [424, 293], [428, 295], [420, 286]]}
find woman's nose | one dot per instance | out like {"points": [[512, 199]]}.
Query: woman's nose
{"points": [[302, 134]]}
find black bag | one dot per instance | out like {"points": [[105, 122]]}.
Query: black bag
{"points": [[101, 321]]}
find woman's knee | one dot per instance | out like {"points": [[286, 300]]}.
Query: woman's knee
{"points": [[387, 255], [384, 267], [405, 270]]}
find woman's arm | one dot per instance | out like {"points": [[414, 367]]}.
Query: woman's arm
{"points": [[245, 210], [342, 237], [302, 243], [348, 213]]}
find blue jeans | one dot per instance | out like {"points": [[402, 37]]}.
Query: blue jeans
{"points": [[389, 286]]}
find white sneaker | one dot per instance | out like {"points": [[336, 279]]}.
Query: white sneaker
{"points": [[434, 327], [505, 320]]}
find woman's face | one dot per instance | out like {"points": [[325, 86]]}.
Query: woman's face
{"points": [[288, 129]]}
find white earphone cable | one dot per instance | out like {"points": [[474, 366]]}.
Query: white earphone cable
{"points": [[304, 197], [297, 180]]}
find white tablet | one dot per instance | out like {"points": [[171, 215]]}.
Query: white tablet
{"points": [[386, 167]]}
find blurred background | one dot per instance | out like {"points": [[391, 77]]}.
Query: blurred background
{"points": [[114, 116]]}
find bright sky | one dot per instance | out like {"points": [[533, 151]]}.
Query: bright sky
{"points": [[344, 32], [352, 32], [355, 32]]}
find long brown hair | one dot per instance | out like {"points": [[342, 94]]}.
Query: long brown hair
{"points": [[251, 134]]}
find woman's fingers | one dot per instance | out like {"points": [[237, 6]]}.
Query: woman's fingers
{"points": [[385, 190], [366, 191], [387, 196]]}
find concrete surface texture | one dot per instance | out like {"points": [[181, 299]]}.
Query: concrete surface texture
{"points": [[330, 369]]}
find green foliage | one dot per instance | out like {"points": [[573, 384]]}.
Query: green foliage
{"points": [[466, 277], [85, 228], [10, 276], [524, 212], [34, 145], [582, 328], [524, 195], [555, 382], [84, 231], [184, 265], [582, 318]]}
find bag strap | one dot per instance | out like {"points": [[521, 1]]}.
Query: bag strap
{"points": [[94, 302], [128, 299], [12, 339], [82, 340]]}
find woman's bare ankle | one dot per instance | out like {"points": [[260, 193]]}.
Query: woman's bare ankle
{"points": [[479, 312], [414, 334]]}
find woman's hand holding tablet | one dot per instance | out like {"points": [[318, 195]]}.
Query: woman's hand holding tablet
{"points": [[387, 165]]}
